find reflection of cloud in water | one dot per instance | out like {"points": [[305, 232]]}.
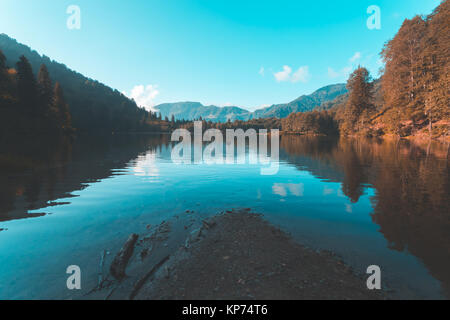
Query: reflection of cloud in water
{"points": [[145, 166], [328, 191], [282, 189]]}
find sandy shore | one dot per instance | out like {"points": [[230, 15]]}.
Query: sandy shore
{"points": [[234, 255]]}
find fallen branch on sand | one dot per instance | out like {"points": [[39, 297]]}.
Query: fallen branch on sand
{"points": [[120, 261]]}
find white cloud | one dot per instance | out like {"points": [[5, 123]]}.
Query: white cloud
{"points": [[261, 71], [301, 75], [356, 57], [345, 72], [144, 95], [283, 75]]}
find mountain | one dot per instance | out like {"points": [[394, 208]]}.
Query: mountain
{"points": [[195, 110], [304, 103], [93, 105]]}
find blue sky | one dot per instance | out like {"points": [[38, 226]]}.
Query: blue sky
{"points": [[245, 53]]}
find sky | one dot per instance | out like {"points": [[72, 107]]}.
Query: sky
{"points": [[235, 52]]}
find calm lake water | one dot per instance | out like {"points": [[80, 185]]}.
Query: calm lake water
{"points": [[371, 202]]}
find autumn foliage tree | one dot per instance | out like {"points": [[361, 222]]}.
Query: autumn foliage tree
{"points": [[360, 102], [416, 78]]}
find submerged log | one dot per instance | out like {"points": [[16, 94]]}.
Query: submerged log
{"points": [[120, 262]]}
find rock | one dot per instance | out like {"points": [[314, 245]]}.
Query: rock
{"points": [[120, 262]]}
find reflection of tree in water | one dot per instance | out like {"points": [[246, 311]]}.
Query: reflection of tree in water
{"points": [[412, 184], [40, 170], [412, 205], [24, 163], [350, 158]]}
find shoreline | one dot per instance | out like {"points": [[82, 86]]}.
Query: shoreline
{"points": [[234, 255]]}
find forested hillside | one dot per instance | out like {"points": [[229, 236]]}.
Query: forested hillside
{"points": [[412, 96], [93, 106], [30, 105]]}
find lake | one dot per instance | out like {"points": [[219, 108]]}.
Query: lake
{"points": [[372, 202]]}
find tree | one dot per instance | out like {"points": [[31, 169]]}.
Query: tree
{"points": [[436, 65], [359, 104], [3, 74], [404, 68], [26, 86], [45, 89], [60, 104]]}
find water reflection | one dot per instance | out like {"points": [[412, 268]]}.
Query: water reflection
{"points": [[40, 170], [407, 184], [412, 183]]}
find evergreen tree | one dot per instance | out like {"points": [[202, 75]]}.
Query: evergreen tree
{"points": [[45, 89], [26, 86], [60, 104], [3, 74]]}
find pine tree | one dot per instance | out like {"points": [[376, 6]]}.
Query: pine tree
{"points": [[3, 74], [26, 86], [45, 89], [60, 104]]}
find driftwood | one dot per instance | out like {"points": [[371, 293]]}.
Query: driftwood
{"points": [[100, 273], [120, 262], [138, 285]]}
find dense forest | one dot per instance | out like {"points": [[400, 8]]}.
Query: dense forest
{"points": [[412, 96], [93, 106], [28, 104]]}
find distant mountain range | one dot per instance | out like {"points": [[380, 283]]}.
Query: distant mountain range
{"points": [[195, 110]]}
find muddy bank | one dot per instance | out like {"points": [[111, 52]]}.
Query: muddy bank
{"points": [[234, 255]]}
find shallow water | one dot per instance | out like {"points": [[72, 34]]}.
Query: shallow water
{"points": [[371, 202]]}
